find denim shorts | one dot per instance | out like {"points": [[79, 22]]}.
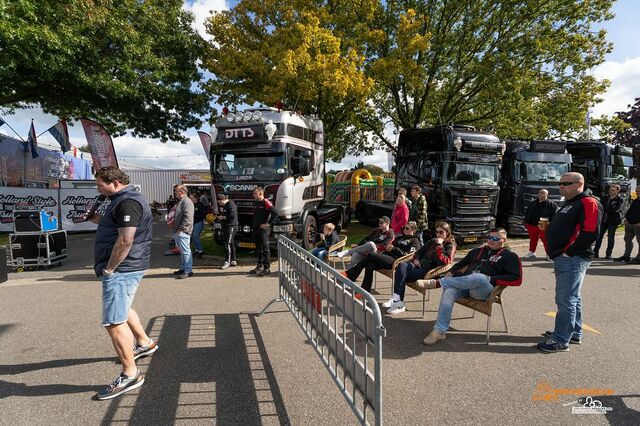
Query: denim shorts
{"points": [[118, 290]]}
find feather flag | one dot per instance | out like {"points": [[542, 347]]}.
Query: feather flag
{"points": [[32, 142], [61, 133]]}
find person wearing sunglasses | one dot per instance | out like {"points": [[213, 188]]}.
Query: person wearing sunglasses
{"points": [[402, 245], [571, 236], [437, 252], [475, 276]]}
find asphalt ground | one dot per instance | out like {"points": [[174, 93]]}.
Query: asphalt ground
{"points": [[220, 364]]}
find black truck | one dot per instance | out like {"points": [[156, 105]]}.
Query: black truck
{"points": [[528, 167], [602, 164], [457, 168]]}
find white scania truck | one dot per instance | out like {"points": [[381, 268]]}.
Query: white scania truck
{"points": [[283, 152]]}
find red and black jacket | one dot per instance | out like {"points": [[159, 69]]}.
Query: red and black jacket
{"points": [[502, 265], [433, 255], [575, 227]]}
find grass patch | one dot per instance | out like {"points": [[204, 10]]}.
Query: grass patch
{"points": [[4, 239]]}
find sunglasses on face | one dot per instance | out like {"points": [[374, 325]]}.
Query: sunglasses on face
{"points": [[566, 183], [490, 238]]}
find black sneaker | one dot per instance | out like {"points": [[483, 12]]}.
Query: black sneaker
{"points": [[596, 256], [551, 346], [146, 350], [178, 272], [185, 275], [621, 259], [632, 261], [574, 340], [608, 257], [264, 272], [256, 271], [120, 385]]}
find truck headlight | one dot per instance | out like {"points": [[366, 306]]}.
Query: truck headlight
{"points": [[246, 229], [283, 228]]}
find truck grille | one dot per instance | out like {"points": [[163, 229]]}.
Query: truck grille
{"points": [[471, 227], [473, 205]]}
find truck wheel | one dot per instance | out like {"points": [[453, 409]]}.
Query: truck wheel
{"points": [[309, 231]]}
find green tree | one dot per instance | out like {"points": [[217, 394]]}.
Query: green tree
{"points": [[629, 133], [521, 66], [128, 64]]}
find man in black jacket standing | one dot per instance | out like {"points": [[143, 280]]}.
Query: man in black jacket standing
{"points": [[631, 232], [612, 206], [570, 238], [540, 207], [229, 218]]}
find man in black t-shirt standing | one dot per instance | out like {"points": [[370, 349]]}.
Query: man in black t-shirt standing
{"points": [[122, 254], [229, 219], [261, 218]]}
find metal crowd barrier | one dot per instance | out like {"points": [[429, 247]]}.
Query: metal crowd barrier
{"points": [[345, 332]]}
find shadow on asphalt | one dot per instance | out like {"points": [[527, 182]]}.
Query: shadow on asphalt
{"points": [[209, 368], [404, 339], [621, 413]]}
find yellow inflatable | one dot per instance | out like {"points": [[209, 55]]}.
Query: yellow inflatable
{"points": [[210, 218]]}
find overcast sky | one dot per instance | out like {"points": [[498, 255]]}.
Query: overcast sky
{"points": [[622, 68]]}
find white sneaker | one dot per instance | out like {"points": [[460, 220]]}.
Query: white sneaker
{"points": [[389, 303], [548, 258], [529, 255], [343, 253], [396, 308]]}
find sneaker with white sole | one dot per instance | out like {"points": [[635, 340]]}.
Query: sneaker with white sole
{"points": [[234, 263], [530, 255], [120, 385], [140, 351], [389, 303], [434, 337], [343, 253], [397, 307], [225, 265]]}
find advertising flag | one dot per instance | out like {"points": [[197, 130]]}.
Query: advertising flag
{"points": [[61, 134], [205, 140], [100, 143], [32, 142]]}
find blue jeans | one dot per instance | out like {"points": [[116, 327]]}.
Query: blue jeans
{"points": [[118, 290], [570, 272], [183, 241], [475, 285], [321, 253], [195, 236], [406, 272]]}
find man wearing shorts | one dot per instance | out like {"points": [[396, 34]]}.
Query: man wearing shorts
{"points": [[122, 254]]}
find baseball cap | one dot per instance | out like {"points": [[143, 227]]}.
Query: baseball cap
{"points": [[384, 219]]}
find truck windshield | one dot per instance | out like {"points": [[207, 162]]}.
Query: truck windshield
{"points": [[620, 168], [470, 173], [541, 171], [249, 166]]}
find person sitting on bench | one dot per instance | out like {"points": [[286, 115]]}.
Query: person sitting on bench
{"points": [[437, 252], [404, 244], [376, 241], [485, 267]]}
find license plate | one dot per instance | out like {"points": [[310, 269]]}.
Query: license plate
{"points": [[247, 245], [470, 239]]}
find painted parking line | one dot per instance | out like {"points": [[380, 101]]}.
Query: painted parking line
{"points": [[584, 326]]}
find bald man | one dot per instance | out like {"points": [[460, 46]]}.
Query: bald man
{"points": [[571, 236], [540, 207]]}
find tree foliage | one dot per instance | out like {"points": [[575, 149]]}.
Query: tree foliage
{"points": [[128, 64], [629, 134], [521, 66]]}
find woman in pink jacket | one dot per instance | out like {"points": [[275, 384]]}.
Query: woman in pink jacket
{"points": [[400, 215]]}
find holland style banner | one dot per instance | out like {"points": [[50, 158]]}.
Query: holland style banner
{"points": [[205, 140], [100, 143]]}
